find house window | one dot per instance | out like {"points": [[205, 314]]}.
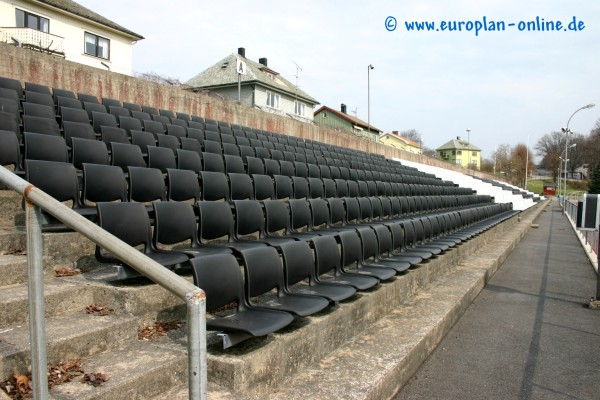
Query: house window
{"points": [[453, 152], [473, 162], [272, 99], [458, 161], [459, 152], [324, 115], [97, 46], [299, 109], [474, 154], [28, 20]]}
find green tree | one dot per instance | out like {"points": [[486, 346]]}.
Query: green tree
{"points": [[594, 186]]}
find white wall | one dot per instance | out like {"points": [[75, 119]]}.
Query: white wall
{"points": [[286, 103], [72, 29]]}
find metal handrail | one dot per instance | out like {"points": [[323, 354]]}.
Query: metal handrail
{"points": [[194, 297]]}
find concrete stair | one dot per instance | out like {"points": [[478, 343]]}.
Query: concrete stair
{"points": [[364, 347]]}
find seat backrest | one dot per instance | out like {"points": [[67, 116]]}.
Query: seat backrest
{"points": [[190, 160], [190, 144], [249, 218], [320, 213], [176, 130], [263, 270], [88, 98], [100, 119], [39, 98], [327, 254], [234, 164], [301, 169], [240, 186], [283, 187], [300, 187], [182, 185], [102, 183], [220, 277], [127, 221], [255, 165], [214, 186], [277, 216], [155, 127], [169, 142], [298, 261], [110, 134], [10, 153], [146, 185], [47, 126], [38, 88], [213, 162], [74, 115], [77, 129], [119, 111], [215, 220], [88, 151], [317, 190], [45, 147], [143, 140], [264, 188], [337, 212], [161, 158], [58, 179], [368, 242], [352, 210], [129, 124], [350, 248], [174, 222], [124, 155], [132, 106], [300, 213], [38, 110]]}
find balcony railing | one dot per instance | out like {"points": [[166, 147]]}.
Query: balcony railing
{"points": [[33, 39]]}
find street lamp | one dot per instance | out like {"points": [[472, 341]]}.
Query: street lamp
{"points": [[567, 131], [369, 68], [469, 147]]}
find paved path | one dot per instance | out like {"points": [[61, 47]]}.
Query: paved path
{"points": [[528, 334]]}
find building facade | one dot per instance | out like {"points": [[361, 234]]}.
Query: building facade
{"points": [[254, 84], [66, 29], [328, 117], [460, 152], [395, 140]]}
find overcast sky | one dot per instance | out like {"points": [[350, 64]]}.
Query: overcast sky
{"points": [[505, 86]]}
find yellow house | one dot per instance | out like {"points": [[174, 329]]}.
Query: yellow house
{"points": [[460, 152], [395, 140]]}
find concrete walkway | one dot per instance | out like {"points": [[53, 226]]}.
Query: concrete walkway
{"points": [[527, 335]]}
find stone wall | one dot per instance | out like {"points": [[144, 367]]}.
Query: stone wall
{"points": [[31, 66]]}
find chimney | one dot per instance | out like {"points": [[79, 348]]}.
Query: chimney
{"points": [[343, 108], [242, 52], [458, 138], [263, 61], [395, 133]]}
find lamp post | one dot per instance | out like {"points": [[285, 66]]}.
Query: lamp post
{"points": [[369, 68], [526, 162], [567, 131], [469, 148]]}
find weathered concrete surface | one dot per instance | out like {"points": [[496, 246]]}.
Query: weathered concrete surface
{"points": [[528, 335]]}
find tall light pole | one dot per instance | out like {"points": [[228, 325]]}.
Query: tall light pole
{"points": [[526, 161], [567, 131], [369, 68], [469, 148]]}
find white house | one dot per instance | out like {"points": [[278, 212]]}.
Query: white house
{"points": [[260, 86], [67, 29]]}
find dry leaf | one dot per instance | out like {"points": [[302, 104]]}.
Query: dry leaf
{"points": [[98, 310], [158, 330], [66, 271], [95, 378]]}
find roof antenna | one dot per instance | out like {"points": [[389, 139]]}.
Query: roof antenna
{"points": [[298, 68]]}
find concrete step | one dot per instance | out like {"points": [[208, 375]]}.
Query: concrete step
{"points": [[10, 207], [141, 370], [14, 269], [70, 337]]}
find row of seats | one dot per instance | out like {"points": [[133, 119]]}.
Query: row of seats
{"points": [[282, 226]]}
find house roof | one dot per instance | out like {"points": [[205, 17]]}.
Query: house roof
{"points": [[79, 10], [353, 120], [402, 138], [458, 144], [224, 74]]}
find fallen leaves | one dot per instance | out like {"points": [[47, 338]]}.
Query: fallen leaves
{"points": [[66, 271], [20, 387], [95, 379], [158, 330], [99, 310]]}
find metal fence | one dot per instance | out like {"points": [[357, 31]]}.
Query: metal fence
{"points": [[36, 200]]}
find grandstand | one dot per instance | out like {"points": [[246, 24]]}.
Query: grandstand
{"points": [[299, 244]]}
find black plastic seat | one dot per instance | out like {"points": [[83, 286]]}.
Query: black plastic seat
{"points": [[161, 158], [10, 153], [130, 223], [60, 181], [329, 266], [143, 140], [182, 185], [240, 187], [77, 130], [214, 186], [220, 277], [216, 222], [300, 188], [88, 151], [264, 188], [168, 142], [155, 127], [125, 155], [175, 224], [110, 134], [390, 240], [250, 222], [359, 255], [129, 124], [8, 122], [45, 147], [119, 112], [100, 119], [37, 110], [213, 162], [39, 98], [38, 88], [46, 126], [89, 98], [74, 115], [189, 160], [132, 106], [103, 183], [264, 273], [299, 267], [176, 130]]}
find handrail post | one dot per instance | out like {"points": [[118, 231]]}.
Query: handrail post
{"points": [[35, 282], [197, 366], [598, 264]]}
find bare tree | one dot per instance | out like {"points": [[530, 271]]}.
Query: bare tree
{"points": [[550, 147], [411, 134], [522, 164], [487, 165], [501, 157], [160, 79]]}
